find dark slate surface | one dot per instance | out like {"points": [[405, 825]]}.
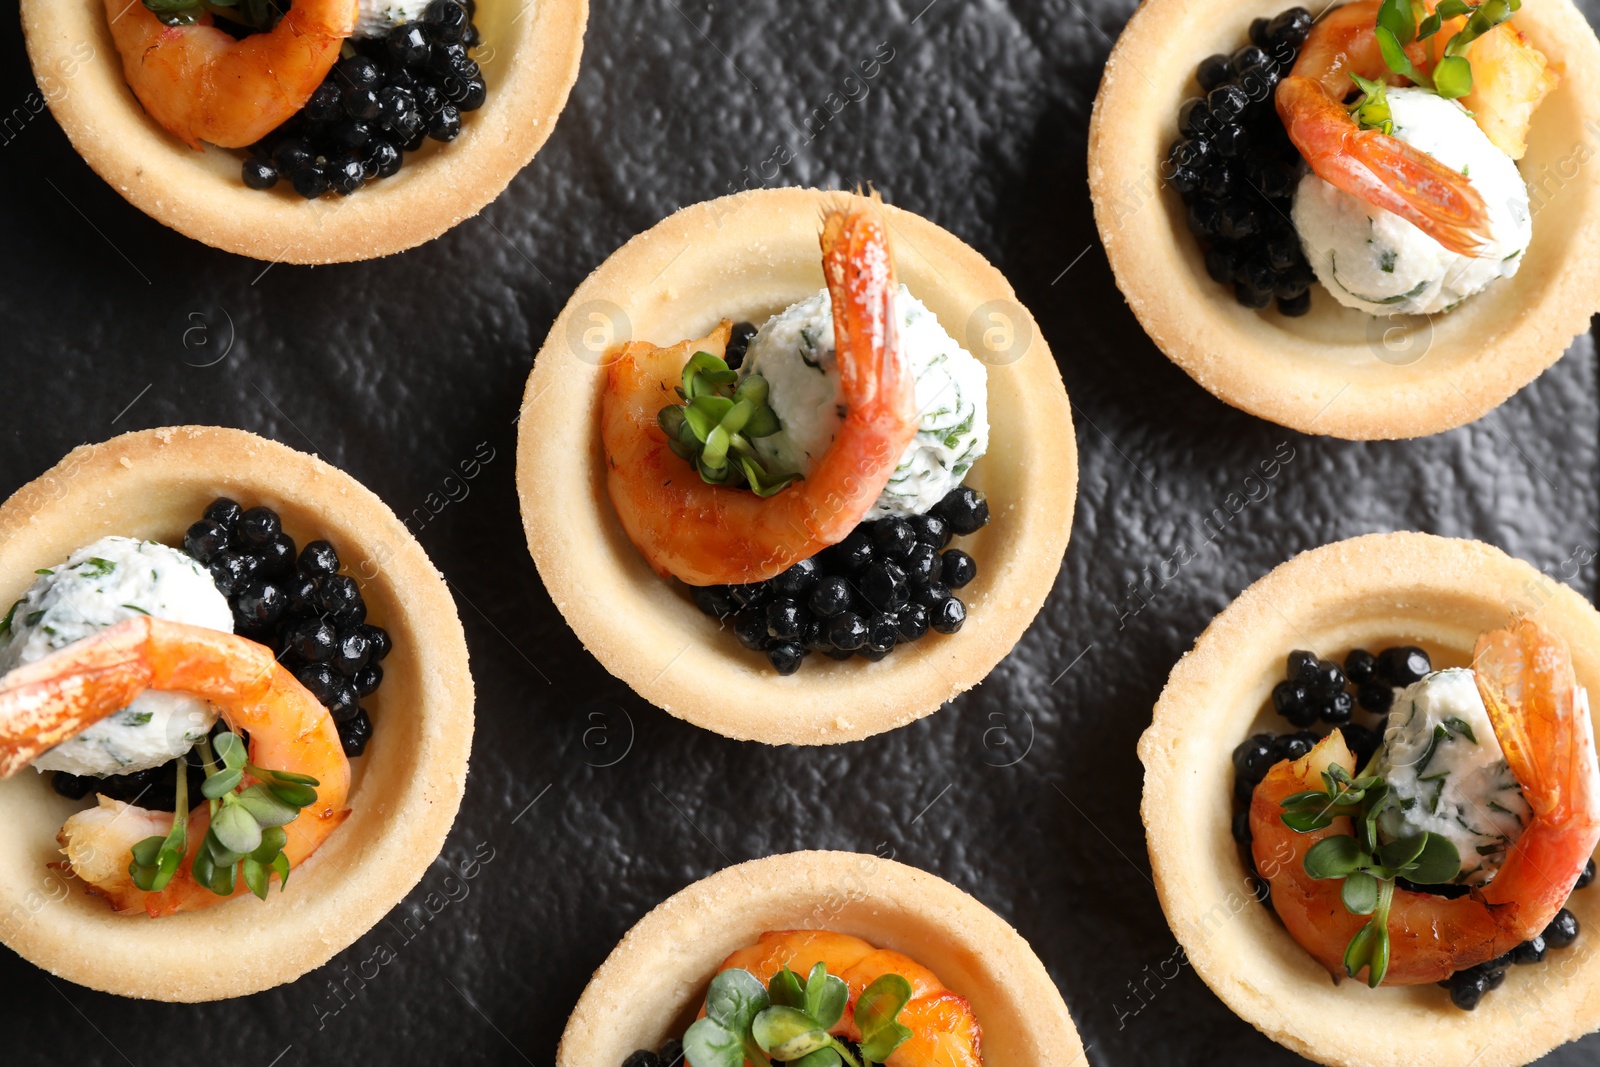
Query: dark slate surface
{"points": [[593, 805]]}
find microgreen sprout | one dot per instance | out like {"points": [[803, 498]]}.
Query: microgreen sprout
{"points": [[787, 1021], [251, 14], [246, 835], [1398, 26], [714, 426], [1367, 865]]}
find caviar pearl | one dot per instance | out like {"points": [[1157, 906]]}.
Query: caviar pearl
{"points": [[355, 128]]}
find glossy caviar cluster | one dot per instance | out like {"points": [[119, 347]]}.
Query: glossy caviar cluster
{"points": [[1237, 170], [298, 604], [886, 584], [388, 98]]}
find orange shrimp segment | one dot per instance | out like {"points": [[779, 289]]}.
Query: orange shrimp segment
{"points": [[57, 697], [945, 1033], [709, 534], [1541, 719], [1510, 79], [1384, 171], [202, 84]]}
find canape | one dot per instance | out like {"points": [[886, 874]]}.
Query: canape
{"points": [[318, 132], [1370, 796], [872, 917], [1368, 224], [211, 623], [795, 489]]}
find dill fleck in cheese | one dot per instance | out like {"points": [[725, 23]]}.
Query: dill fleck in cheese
{"points": [[1447, 774], [794, 351]]}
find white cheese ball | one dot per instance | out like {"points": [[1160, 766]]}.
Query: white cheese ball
{"points": [[377, 17], [1377, 262], [1448, 775], [794, 351], [103, 583]]}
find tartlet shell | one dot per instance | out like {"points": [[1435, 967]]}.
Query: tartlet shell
{"points": [[747, 256], [1336, 371], [405, 790], [1369, 591], [529, 54], [652, 984]]}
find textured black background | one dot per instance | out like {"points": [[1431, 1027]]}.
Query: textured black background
{"points": [[396, 370]]}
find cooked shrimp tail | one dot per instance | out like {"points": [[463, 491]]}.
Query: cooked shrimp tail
{"points": [[1376, 167], [1541, 719], [1384, 171], [712, 534]]}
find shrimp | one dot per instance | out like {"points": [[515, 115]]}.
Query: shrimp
{"points": [[1384, 171], [1510, 79], [709, 534], [201, 84], [944, 1032], [1541, 719], [45, 702]]}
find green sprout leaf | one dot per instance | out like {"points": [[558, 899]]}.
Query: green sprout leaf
{"points": [[231, 750], [266, 808], [1452, 77], [1439, 861], [255, 876], [219, 785], [1399, 19], [735, 998], [1360, 893], [877, 1016], [787, 1034], [711, 1044], [826, 996], [1399, 853], [1334, 857], [293, 794]]}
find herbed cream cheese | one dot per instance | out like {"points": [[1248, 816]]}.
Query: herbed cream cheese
{"points": [[1375, 261], [101, 584], [1447, 773], [794, 351], [377, 17]]}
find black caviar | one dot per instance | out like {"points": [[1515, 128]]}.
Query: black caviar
{"points": [[297, 603], [1237, 170], [387, 98], [1316, 691], [886, 584], [669, 1055]]}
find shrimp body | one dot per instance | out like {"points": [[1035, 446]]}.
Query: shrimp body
{"points": [[944, 1032], [202, 84], [1381, 170], [61, 695], [1541, 719], [711, 534]]}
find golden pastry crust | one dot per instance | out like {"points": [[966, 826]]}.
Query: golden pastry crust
{"points": [[1336, 371], [405, 790], [530, 60], [747, 256], [651, 986], [1367, 592]]}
